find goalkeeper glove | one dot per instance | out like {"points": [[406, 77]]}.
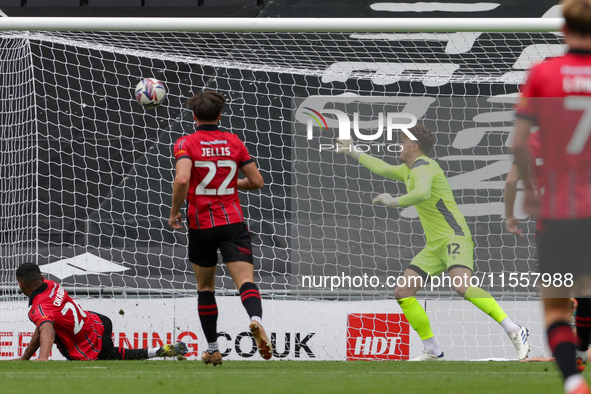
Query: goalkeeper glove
{"points": [[387, 200], [347, 147]]}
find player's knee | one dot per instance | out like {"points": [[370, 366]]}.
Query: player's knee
{"points": [[461, 290], [401, 292]]}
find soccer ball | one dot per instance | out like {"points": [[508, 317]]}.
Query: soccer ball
{"points": [[150, 92]]}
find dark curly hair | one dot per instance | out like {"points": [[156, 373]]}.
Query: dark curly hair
{"points": [[29, 273]]}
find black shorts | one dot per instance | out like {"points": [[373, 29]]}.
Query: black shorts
{"points": [[564, 247], [233, 241], [107, 340]]}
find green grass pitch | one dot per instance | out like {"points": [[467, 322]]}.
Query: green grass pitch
{"points": [[144, 377]]}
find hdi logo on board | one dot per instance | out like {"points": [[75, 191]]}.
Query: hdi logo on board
{"points": [[377, 336]]}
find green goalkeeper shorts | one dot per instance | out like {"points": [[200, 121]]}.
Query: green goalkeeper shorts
{"points": [[448, 253]]}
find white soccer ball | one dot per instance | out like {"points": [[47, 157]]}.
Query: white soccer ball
{"points": [[150, 92]]}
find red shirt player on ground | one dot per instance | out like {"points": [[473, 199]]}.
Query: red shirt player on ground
{"points": [[78, 334], [207, 164], [557, 98]]}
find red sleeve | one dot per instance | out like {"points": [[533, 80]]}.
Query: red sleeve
{"points": [[244, 157], [38, 315], [181, 148], [535, 145], [527, 105]]}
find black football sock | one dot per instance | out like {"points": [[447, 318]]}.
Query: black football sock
{"points": [[208, 314], [562, 343], [251, 299], [583, 323], [133, 354], [119, 353]]}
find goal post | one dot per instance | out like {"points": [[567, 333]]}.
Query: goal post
{"points": [[87, 173], [18, 155], [283, 24]]}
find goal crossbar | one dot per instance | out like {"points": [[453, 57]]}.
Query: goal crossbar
{"points": [[284, 24]]}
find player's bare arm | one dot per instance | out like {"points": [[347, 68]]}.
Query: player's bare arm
{"points": [[511, 222], [522, 159], [254, 179], [46, 339], [179, 192], [43, 338]]}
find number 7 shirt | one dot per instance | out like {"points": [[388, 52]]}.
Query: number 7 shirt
{"points": [[216, 155], [557, 98], [78, 334]]}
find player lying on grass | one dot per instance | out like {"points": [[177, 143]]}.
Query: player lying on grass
{"points": [[78, 334], [449, 241]]}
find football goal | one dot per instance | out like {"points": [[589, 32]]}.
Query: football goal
{"points": [[86, 174]]}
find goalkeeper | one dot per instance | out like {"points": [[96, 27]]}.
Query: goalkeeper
{"points": [[449, 242]]}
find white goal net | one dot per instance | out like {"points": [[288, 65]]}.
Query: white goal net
{"points": [[87, 173]]}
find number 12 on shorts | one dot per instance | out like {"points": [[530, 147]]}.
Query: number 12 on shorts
{"points": [[453, 249]]}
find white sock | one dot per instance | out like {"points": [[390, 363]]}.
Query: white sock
{"points": [[582, 354], [212, 347], [509, 327], [152, 351], [572, 382], [431, 346], [257, 319]]}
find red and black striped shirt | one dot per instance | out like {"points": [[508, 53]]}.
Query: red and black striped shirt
{"points": [[78, 333], [217, 156], [557, 98]]}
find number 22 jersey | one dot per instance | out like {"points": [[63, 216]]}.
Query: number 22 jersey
{"points": [[216, 156]]}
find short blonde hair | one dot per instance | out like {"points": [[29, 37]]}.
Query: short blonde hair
{"points": [[577, 15]]}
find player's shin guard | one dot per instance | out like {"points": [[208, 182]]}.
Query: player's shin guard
{"points": [[208, 314], [583, 323], [251, 299], [416, 316], [562, 343], [485, 302]]}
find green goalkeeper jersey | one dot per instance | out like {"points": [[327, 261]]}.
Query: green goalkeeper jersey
{"points": [[429, 191]]}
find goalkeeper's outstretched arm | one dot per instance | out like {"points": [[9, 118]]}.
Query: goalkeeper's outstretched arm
{"points": [[423, 181], [373, 164], [420, 193]]}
